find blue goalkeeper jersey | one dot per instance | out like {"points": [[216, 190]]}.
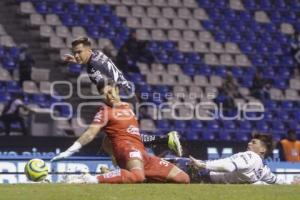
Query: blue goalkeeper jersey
{"points": [[100, 67]]}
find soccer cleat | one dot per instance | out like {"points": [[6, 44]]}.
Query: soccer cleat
{"points": [[174, 143], [84, 178]]}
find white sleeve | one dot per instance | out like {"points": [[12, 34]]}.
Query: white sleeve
{"points": [[244, 160], [221, 165], [235, 162], [269, 177]]}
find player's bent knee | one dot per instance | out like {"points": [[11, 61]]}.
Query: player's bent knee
{"points": [[176, 175], [137, 176], [182, 177]]}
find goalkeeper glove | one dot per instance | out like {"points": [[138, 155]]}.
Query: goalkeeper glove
{"points": [[70, 151]]}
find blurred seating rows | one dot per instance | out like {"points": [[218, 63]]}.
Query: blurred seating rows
{"points": [[194, 44]]}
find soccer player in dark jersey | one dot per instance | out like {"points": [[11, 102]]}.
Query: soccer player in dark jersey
{"points": [[100, 68]]}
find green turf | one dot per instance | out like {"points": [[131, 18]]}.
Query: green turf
{"points": [[147, 192]]}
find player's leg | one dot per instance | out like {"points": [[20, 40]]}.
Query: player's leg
{"points": [[7, 120], [133, 174], [131, 162], [22, 123], [176, 175], [159, 170], [172, 139]]}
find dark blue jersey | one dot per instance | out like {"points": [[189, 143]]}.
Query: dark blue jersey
{"points": [[100, 68]]}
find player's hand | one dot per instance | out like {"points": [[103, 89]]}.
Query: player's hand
{"points": [[198, 164], [61, 156], [69, 58]]}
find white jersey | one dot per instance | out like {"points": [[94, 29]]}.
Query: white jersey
{"points": [[249, 168]]}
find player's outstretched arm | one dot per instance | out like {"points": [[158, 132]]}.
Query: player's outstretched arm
{"points": [[198, 164], [84, 139], [69, 58]]}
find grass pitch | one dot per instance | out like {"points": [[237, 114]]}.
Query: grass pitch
{"points": [[147, 192]]}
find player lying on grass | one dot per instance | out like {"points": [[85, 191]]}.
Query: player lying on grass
{"points": [[117, 119], [245, 167], [100, 68]]}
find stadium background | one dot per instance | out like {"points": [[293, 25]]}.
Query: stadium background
{"points": [[188, 47]]}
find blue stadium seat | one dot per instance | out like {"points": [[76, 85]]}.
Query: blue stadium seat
{"points": [[13, 86], [229, 125], [245, 126], [73, 8], [205, 70], [237, 72], [208, 136], [192, 135], [14, 52], [249, 4], [89, 9], [296, 115], [9, 63], [278, 126], [269, 115], [68, 20], [265, 5], [163, 124], [283, 114], [162, 89], [220, 71], [192, 58], [4, 96], [196, 125], [105, 10], [93, 32], [163, 57], [242, 136], [41, 7], [180, 125], [83, 20], [205, 3], [177, 57], [65, 111], [287, 105], [168, 45], [294, 125], [281, 83], [98, 19], [224, 135], [57, 8], [2, 52], [213, 126], [270, 104], [75, 68], [189, 69], [262, 126], [209, 25]]}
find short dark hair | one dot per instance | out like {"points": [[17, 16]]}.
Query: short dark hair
{"points": [[267, 140], [291, 131], [104, 82], [81, 40]]}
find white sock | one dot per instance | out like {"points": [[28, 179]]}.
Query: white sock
{"points": [[92, 179]]}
